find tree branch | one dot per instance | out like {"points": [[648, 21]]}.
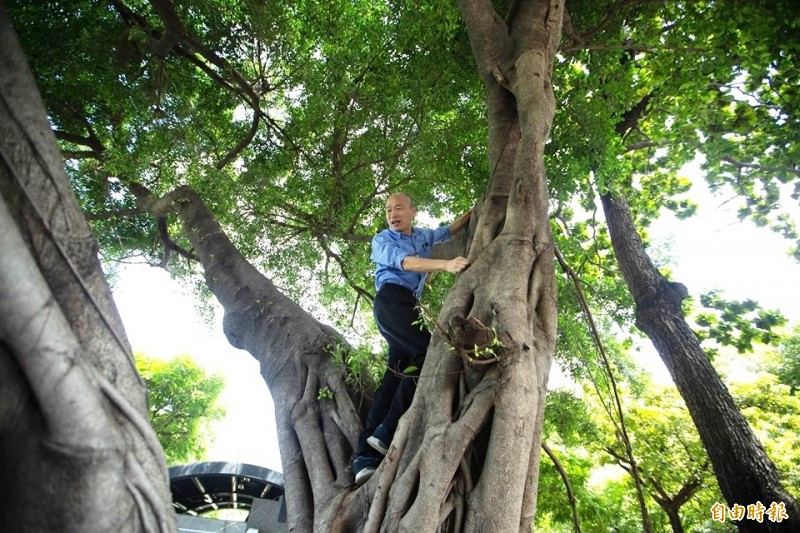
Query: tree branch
{"points": [[565, 478], [687, 491], [78, 154], [170, 245], [764, 168], [641, 145], [120, 213], [91, 141], [170, 41], [488, 35], [578, 39], [336, 257], [615, 393]]}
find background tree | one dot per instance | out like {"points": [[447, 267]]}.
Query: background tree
{"points": [[644, 127], [181, 400]]}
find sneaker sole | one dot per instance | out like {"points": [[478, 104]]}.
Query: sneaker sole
{"points": [[364, 474], [377, 445]]}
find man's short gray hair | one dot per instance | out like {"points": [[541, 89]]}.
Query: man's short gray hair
{"points": [[401, 193]]}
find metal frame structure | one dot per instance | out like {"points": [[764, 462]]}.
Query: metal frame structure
{"points": [[203, 487]]}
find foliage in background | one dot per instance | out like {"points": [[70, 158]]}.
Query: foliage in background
{"points": [[787, 366], [737, 324], [665, 444], [762, 383], [182, 403]]}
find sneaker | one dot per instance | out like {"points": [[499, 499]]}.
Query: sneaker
{"points": [[364, 467], [380, 440]]}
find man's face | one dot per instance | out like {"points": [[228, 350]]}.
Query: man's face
{"points": [[399, 213]]}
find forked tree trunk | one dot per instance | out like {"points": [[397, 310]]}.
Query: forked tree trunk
{"points": [[674, 516], [744, 472], [77, 452], [671, 504], [466, 455]]}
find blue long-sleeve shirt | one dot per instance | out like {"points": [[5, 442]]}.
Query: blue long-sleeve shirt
{"points": [[389, 248]]}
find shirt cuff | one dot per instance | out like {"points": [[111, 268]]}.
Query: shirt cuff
{"points": [[400, 259]]}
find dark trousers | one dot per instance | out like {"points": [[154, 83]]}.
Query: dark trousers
{"points": [[399, 322]]}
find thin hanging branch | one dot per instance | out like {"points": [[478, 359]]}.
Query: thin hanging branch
{"points": [[617, 402], [763, 168], [573, 502]]}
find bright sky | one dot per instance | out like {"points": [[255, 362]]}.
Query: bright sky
{"points": [[161, 320], [714, 250], [711, 251]]}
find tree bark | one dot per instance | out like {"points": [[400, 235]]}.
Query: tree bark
{"points": [[76, 448], [744, 472]]}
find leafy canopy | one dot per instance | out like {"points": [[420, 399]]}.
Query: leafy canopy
{"points": [[182, 402]]}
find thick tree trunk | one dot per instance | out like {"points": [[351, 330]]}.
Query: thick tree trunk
{"points": [[472, 436], [316, 436], [76, 448], [744, 472]]}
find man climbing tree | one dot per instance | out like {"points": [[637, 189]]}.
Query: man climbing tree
{"points": [[402, 255]]}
